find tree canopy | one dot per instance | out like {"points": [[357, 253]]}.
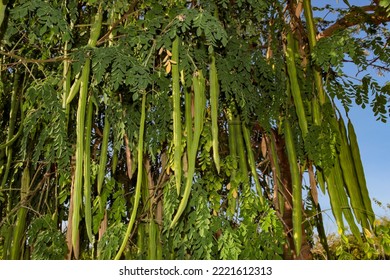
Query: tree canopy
{"points": [[184, 129]]}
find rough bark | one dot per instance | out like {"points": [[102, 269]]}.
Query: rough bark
{"points": [[289, 250]]}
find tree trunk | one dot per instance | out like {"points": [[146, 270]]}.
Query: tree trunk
{"points": [[286, 216]]}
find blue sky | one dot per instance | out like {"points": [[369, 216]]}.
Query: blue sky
{"points": [[373, 137]]}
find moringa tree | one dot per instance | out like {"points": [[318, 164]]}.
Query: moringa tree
{"points": [[182, 129]]}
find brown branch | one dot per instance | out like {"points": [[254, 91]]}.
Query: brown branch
{"points": [[30, 60], [299, 9], [129, 160], [357, 16]]}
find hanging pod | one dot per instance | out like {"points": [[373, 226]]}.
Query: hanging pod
{"points": [[103, 157], [339, 200], [294, 84], [21, 216], [214, 96], [188, 111], [312, 32], [345, 207], [252, 163], [335, 200], [7, 241], [233, 184], [319, 97], [242, 159], [321, 180], [350, 177], [87, 171], [278, 184], [199, 108], [148, 199], [140, 240], [153, 232], [80, 122], [176, 113], [353, 143], [296, 187], [137, 195], [3, 7]]}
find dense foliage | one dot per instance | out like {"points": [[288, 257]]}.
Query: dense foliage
{"points": [[182, 129], [346, 247]]}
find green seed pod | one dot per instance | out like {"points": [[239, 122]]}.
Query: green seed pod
{"points": [[214, 96], [176, 114], [199, 107], [296, 187]]}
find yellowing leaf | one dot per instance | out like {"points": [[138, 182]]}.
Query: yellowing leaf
{"points": [[263, 147], [168, 68], [160, 51], [367, 233], [235, 194]]}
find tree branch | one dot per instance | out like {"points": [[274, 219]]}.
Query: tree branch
{"points": [[22, 59], [356, 16]]}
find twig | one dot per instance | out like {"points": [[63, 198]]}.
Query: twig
{"points": [[115, 24], [30, 60], [355, 17]]}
